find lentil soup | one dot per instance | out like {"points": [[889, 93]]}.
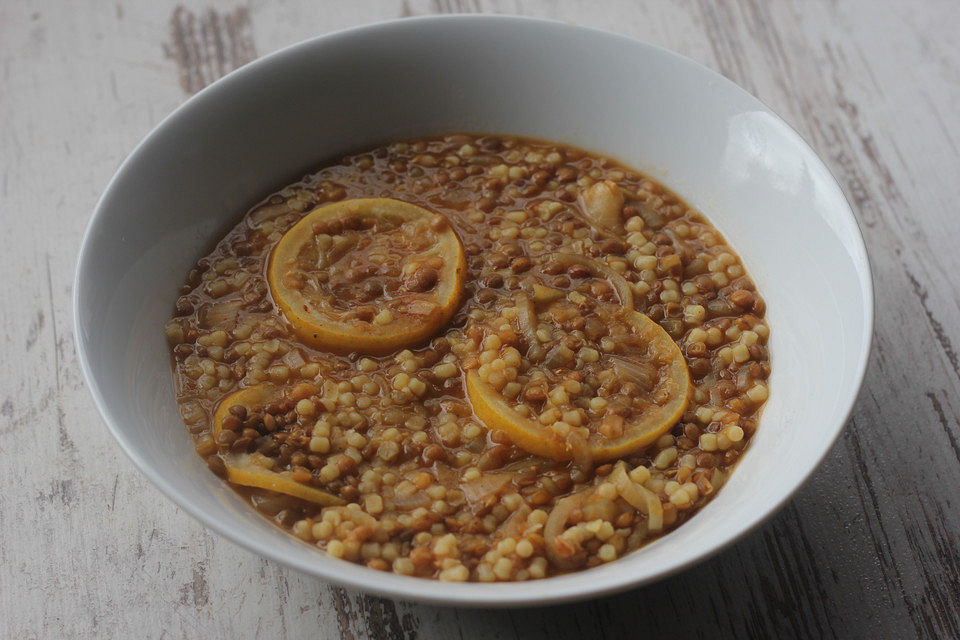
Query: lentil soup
{"points": [[472, 358]]}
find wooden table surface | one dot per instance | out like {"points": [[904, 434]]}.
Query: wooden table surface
{"points": [[869, 548]]}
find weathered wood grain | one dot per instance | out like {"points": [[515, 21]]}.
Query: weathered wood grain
{"points": [[869, 548]]}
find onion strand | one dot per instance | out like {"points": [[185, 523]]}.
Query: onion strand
{"points": [[638, 497], [552, 529], [526, 317], [579, 450], [599, 269]]}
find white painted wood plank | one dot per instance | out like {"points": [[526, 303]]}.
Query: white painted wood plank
{"points": [[870, 547]]}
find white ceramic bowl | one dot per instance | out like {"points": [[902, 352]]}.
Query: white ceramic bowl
{"points": [[268, 123]]}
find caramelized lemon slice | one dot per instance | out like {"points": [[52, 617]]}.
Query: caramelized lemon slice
{"points": [[653, 355], [253, 470], [370, 275]]}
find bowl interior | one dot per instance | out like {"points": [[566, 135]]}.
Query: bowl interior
{"points": [[274, 120]]}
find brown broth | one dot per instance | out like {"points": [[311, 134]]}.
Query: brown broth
{"points": [[432, 490]]}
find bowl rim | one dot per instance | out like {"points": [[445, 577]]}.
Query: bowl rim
{"points": [[432, 591]]}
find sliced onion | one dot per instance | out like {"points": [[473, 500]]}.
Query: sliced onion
{"points": [[272, 503], [221, 314], [487, 484], [628, 489], [623, 288], [575, 212], [446, 476], [412, 501], [606, 232], [526, 317], [268, 212], [602, 202], [654, 511], [554, 526], [650, 216], [634, 372], [638, 497], [516, 523], [542, 294], [580, 450]]}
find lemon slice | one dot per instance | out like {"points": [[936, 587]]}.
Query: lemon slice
{"points": [[369, 275], [671, 385], [251, 469]]}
